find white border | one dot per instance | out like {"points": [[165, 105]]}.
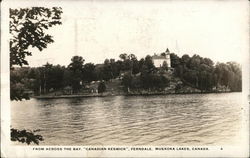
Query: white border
{"points": [[8, 150]]}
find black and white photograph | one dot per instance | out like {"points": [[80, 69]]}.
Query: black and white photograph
{"points": [[126, 77]]}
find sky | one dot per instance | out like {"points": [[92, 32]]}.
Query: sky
{"points": [[97, 30]]}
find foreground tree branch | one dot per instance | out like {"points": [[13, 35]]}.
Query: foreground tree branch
{"points": [[25, 136], [27, 29]]}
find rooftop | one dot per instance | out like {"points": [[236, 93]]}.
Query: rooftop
{"points": [[158, 57], [162, 55]]}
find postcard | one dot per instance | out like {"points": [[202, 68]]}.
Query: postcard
{"points": [[124, 78]]}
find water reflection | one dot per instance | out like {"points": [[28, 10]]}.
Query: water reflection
{"points": [[197, 119]]}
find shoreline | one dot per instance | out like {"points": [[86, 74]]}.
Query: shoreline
{"points": [[68, 96], [108, 95]]}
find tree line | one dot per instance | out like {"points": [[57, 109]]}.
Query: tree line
{"points": [[203, 74], [76, 75], [194, 71]]}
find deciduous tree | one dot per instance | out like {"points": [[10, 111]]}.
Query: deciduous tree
{"points": [[27, 29]]}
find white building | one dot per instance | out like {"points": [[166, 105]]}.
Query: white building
{"points": [[163, 58]]}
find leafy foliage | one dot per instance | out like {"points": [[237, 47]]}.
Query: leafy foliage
{"points": [[27, 27], [149, 77], [76, 71], [19, 83], [101, 87], [25, 136], [89, 72], [195, 71], [201, 73]]}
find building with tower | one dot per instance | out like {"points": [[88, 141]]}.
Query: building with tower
{"points": [[162, 59]]}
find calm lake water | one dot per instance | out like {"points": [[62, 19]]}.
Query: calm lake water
{"points": [[193, 119]]}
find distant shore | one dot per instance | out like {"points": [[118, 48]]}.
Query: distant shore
{"points": [[69, 96], [125, 94]]}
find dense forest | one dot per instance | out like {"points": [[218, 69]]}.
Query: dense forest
{"points": [[203, 74], [195, 71]]}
